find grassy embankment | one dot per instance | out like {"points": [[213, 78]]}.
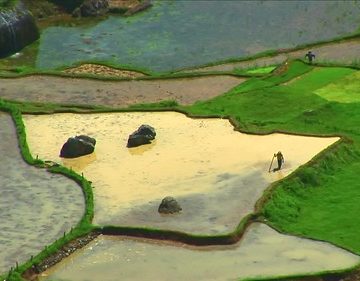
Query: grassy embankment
{"points": [[4, 4]]}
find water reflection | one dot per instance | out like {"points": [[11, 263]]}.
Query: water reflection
{"points": [[141, 149], [79, 163]]}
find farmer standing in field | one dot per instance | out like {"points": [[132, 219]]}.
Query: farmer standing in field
{"points": [[310, 56], [280, 160]]}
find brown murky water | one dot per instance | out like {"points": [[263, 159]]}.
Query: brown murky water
{"points": [[116, 93], [36, 207], [262, 252], [216, 173]]}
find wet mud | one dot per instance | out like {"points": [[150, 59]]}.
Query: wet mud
{"points": [[36, 207], [263, 252], [216, 173]]}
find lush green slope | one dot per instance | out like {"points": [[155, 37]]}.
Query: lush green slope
{"points": [[321, 200], [343, 90]]}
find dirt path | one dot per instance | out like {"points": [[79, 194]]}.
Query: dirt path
{"points": [[343, 52], [115, 93]]}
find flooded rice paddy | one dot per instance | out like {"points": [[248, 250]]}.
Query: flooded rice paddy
{"points": [[115, 94], [36, 207], [262, 252], [216, 173], [346, 52], [181, 34]]}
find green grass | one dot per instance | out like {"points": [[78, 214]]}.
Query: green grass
{"points": [[320, 77], [320, 203], [260, 102], [4, 4], [261, 70], [345, 90]]}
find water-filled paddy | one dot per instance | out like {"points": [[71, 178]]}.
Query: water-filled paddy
{"points": [[346, 52], [262, 252], [36, 207], [114, 94], [216, 173], [178, 34]]}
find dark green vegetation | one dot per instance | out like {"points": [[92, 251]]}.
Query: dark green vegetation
{"points": [[320, 200], [7, 3]]}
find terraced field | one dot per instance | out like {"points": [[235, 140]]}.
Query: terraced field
{"points": [[242, 183], [218, 126], [42, 205]]}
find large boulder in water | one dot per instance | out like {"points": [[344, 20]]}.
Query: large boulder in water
{"points": [[17, 29], [169, 206], [78, 146], [92, 8], [144, 135]]}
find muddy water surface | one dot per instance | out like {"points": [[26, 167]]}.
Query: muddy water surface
{"points": [[216, 173], [263, 252], [36, 207], [115, 93]]}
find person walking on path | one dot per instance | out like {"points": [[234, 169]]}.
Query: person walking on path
{"points": [[310, 56]]}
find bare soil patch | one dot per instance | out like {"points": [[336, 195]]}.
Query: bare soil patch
{"points": [[103, 71]]}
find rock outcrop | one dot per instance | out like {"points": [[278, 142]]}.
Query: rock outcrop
{"points": [[91, 8], [144, 135], [169, 206], [78, 146], [17, 29]]}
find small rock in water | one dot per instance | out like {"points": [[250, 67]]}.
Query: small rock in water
{"points": [[169, 206], [144, 135]]}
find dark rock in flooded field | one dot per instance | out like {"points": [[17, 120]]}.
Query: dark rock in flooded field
{"points": [[78, 146], [169, 206], [144, 135], [17, 29], [92, 8]]}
